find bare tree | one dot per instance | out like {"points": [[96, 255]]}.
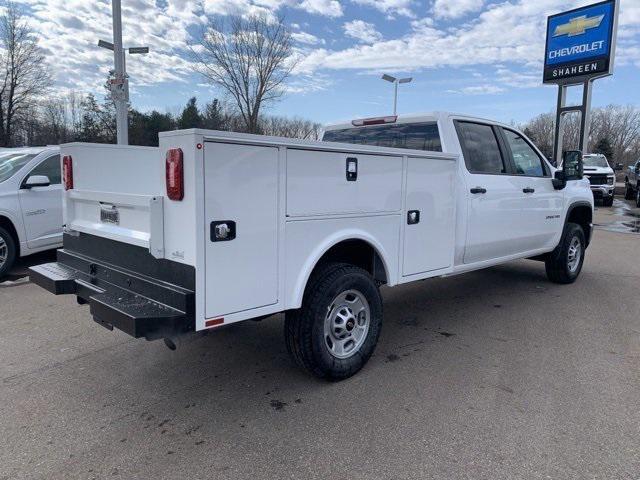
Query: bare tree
{"points": [[290, 127], [249, 58], [618, 125], [23, 76]]}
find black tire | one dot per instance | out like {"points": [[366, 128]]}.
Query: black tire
{"points": [[638, 196], [628, 191], [7, 241], [558, 266], [607, 201], [304, 329]]}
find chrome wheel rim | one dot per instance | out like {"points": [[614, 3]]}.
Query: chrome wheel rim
{"points": [[347, 324], [4, 252], [575, 252]]}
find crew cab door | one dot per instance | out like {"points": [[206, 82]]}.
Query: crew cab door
{"points": [[42, 206], [540, 203], [495, 226]]}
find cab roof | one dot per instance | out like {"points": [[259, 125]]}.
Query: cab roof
{"points": [[436, 116]]}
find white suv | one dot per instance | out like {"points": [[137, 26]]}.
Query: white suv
{"points": [[601, 177], [30, 203]]}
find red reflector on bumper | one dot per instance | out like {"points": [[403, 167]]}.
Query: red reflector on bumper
{"points": [[213, 322]]}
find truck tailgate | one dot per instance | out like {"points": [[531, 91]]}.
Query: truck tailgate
{"points": [[117, 194]]}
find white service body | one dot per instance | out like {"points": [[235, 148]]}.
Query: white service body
{"points": [[292, 202]]}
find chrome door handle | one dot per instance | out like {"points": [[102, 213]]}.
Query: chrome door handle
{"points": [[223, 231]]}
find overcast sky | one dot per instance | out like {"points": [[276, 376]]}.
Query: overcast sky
{"points": [[481, 57]]}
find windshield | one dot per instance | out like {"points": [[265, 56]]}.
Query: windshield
{"points": [[418, 136], [595, 161], [10, 163]]}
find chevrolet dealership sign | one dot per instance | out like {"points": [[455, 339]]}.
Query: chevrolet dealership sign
{"points": [[581, 43]]}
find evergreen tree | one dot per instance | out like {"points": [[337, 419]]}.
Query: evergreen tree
{"points": [[213, 118], [604, 147], [190, 117]]}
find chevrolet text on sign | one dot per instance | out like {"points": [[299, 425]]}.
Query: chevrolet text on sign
{"points": [[580, 43]]}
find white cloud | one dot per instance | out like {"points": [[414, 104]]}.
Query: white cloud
{"points": [[307, 38], [362, 31], [508, 33], [68, 31], [487, 89], [456, 8], [508, 36], [329, 8], [390, 7]]}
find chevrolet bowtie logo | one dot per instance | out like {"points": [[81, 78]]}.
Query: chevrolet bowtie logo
{"points": [[578, 26]]}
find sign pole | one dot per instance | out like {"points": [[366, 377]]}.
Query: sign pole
{"points": [[580, 48], [119, 80], [585, 118], [120, 86], [585, 124], [559, 131]]}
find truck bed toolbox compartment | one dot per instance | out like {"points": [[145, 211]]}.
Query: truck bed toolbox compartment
{"points": [[318, 184]]}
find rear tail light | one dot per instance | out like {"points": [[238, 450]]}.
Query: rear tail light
{"points": [[374, 121], [67, 172], [175, 174]]}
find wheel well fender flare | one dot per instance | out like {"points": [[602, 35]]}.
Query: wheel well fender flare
{"points": [[571, 209], [322, 248]]}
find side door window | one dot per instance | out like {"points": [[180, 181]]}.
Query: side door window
{"points": [[481, 148], [50, 168], [526, 160]]}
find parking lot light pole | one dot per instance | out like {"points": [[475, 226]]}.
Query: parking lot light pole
{"points": [[119, 81], [395, 82]]}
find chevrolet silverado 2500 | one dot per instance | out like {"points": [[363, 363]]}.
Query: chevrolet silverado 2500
{"points": [[601, 177], [216, 227]]}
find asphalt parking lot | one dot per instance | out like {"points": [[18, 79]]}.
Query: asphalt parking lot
{"points": [[496, 374]]}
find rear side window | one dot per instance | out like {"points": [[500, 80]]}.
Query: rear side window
{"points": [[525, 160], [50, 168], [417, 136], [480, 147]]}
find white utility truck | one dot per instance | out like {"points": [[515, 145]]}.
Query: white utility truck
{"points": [[216, 227]]}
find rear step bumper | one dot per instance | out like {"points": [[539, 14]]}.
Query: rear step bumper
{"points": [[119, 298]]}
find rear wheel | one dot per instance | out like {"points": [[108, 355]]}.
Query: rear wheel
{"points": [[7, 252], [638, 197], [607, 201], [565, 263], [628, 191], [335, 332]]}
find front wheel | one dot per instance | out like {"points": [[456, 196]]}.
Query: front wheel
{"points": [[607, 201], [335, 332], [7, 252], [565, 263]]}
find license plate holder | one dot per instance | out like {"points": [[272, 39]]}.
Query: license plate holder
{"points": [[110, 215]]}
